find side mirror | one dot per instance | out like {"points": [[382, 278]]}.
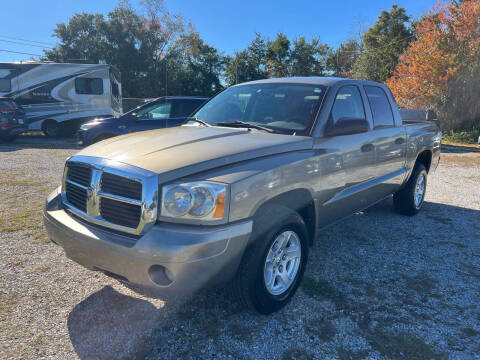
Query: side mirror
{"points": [[347, 126], [431, 115]]}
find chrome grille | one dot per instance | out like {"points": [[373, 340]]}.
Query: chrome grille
{"points": [[118, 185], [120, 213], [79, 174], [77, 196], [121, 197]]}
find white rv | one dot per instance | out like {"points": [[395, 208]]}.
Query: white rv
{"points": [[59, 96]]}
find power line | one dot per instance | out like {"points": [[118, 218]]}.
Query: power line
{"points": [[19, 52], [31, 41], [24, 44]]}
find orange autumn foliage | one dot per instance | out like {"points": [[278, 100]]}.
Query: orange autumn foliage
{"points": [[447, 40]]}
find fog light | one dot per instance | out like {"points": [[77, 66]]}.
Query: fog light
{"points": [[160, 275]]}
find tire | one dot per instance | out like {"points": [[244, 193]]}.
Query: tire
{"points": [[250, 283], [409, 200], [50, 128]]}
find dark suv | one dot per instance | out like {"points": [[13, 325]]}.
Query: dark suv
{"points": [[160, 113], [12, 119]]}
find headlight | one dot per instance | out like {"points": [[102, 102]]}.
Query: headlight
{"points": [[202, 200], [89, 125]]}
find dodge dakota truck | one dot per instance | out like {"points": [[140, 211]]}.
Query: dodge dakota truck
{"points": [[241, 191]]}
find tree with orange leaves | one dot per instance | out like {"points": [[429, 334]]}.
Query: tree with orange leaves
{"points": [[440, 68]]}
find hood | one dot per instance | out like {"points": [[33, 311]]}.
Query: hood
{"points": [[184, 150]]}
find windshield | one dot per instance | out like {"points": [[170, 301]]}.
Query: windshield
{"points": [[284, 107]]}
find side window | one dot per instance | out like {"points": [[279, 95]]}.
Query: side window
{"points": [[184, 108], [156, 112], [5, 85], [89, 86], [348, 104], [380, 106]]}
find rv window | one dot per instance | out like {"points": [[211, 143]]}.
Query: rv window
{"points": [[5, 85], [90, 86]]}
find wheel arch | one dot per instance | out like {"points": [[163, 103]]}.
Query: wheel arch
{"points": [[298, 200], [425, 158]]}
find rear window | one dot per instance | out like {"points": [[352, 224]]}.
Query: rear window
{"points": [[380, 106], [5, 85], [89, 86]]}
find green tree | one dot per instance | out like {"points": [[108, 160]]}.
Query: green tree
{"points": [[277, 56], [382, 45], [137, 44], [248, 64], [194, 67], [308, 58], [341, 61]]}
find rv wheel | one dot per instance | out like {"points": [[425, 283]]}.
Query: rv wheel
{"points": [[50, 128]]}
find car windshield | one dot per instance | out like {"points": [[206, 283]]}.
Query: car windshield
{"points": [[283, 107]]}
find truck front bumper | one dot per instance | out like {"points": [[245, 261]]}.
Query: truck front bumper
{"points": [[175, 259]]}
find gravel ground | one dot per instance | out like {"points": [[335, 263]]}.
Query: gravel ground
{"points": [[378, 285]]}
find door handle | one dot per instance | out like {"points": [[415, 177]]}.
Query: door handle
{"points": [[367, 147], [399, 141]]}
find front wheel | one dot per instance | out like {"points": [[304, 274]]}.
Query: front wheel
{"points": [[409, 200], [273, 265]]}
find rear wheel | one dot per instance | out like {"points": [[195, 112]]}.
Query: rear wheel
{"points": [[50, 128], [409, 200], [273, 265]]}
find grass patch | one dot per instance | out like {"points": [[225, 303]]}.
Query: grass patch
{"points": [[324, 329], [470, 332], [21, 182], [421, 284], [402, 346], [460, 137], [345, 354], [7, 303], [322, 290], [454, 243], [43, 268], [18, 262], [297, 353]]}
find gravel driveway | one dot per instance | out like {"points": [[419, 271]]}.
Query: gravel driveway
{"points": [[378, 285]]}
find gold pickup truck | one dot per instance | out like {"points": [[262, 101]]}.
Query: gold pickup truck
{"points": [[242, 190]]}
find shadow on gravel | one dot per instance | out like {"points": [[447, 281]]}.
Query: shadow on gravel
{"points": [[38, 142], [402, 288], [110, 325], [452, 149]]}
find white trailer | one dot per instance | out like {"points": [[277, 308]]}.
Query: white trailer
{"points": [[61, 96]]}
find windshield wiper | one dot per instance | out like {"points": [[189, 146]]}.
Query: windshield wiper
{"points": [[243, 124], [200, 121]]}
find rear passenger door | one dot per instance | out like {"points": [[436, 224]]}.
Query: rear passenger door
{"points": [[389, 140]]}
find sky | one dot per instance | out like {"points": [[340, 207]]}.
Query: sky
{"points": [[228, 25]]}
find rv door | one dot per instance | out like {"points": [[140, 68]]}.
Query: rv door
{"points": [[116, 91]]}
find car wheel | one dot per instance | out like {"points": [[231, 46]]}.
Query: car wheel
{"points": [[273, 265], [50, 128], [409, 200]]}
